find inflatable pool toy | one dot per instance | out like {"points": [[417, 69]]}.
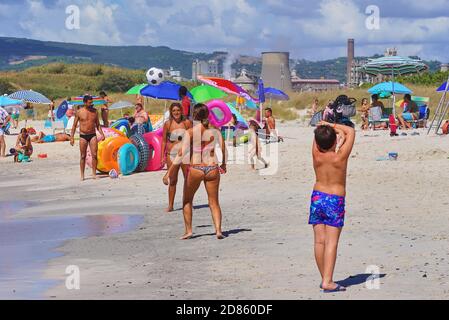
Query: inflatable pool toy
{"points": [[128, 159], [107, 153], [122, 125], [155, 143], [143, 149], [219, 113], [139, 129], [108, 132], [244, 139]]}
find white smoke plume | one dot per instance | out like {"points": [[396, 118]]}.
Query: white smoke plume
{"points": [[227, 64]]}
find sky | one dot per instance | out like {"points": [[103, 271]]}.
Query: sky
{"points": [[313, 30]]}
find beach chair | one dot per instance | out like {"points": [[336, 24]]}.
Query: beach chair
{"points": [[376, 116]]}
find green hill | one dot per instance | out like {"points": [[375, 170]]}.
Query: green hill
{"points": [[20, 54]]}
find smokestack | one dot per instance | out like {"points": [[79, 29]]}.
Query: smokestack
{"points": [[276, 70], [351, 54]]}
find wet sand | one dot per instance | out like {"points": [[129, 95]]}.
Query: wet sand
{"points": [[397, 220]]}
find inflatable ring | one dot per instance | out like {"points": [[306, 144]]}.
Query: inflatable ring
{"points": [[139, 129], [155, 143], [144, 151], [122, 125], [128, 159], [108, 132], [107, 153], [244, 139], [219, 113]]}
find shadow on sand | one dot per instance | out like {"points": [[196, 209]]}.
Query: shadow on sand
{"points": [[226, 234], [359, 279]]}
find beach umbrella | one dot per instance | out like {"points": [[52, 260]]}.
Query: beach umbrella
{"points": [[167, 90], [389, 87], [261, 92], [241, 122], [276, 94], [136, 89], [78, 101], [30, 96], [226, 85], [121, 105], [206, 93], [5, 101], [444, 87], [394, 66]]}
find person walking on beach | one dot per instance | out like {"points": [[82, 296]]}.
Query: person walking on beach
{"points": [[255, 149], [105, 109], [4, 119], [88, 120], [199, 151], [172, 136], [327, 211]]}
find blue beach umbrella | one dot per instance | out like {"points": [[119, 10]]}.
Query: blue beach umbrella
{"points": [[389, 87], [62, 109], [167, 90], [6, 101], [444, 87], [276, 94]]}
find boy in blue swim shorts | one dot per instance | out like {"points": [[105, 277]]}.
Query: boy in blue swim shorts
{"points": [[332, 147]]}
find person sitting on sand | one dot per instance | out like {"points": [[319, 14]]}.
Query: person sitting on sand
{"points": [[270, 126], [43, 138], [327, 211], [23, 145], [255, 149], [199, 151], [140, 115], [4, 120], [375, 102], [173, 132], [410, 112], [88, 120]]}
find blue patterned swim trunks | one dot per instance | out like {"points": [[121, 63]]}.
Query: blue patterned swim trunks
{"points": [[327, 209]]}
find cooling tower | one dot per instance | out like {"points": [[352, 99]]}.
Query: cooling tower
{"points": [[276, 70]]}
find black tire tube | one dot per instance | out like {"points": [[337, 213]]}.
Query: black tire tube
{"points": [[144, 151]]}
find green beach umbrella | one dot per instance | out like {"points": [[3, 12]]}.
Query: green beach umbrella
{"points": [[206, 93], [136, 89]]}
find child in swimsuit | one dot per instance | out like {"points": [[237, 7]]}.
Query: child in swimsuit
{"points": [[327, 210], [255, 150]]}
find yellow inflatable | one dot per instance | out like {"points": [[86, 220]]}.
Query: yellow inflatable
{"points": [[107, 153]]}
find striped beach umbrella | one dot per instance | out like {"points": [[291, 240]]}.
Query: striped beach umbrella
{"points": [[394, 66], [30, 96]]}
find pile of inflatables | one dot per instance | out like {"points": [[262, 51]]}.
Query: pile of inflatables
{"points": [[127, 150]]}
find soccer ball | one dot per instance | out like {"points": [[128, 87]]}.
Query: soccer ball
{"points": [[155, 76]]}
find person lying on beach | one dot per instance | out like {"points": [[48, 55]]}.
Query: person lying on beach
{"points": [[255, 149], [198, 151], [23, 145], [89, 121], [43, 138], [327, 211]]}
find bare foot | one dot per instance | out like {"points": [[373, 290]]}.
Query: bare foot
{"points": [[187, 236], [168, 210], [82, 179], [166, 180], [220, 236], [332, 286]]}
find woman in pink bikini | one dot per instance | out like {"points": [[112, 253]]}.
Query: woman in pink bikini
{"points": [[198, 151]]}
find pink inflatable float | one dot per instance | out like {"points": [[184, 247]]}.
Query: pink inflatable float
{"points": [[154, 140], [219, 113]]}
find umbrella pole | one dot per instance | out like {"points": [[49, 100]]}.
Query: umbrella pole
{"points": [[394, 96]]}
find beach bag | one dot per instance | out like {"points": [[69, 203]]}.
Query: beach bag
{"points": [[445, 127]]}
